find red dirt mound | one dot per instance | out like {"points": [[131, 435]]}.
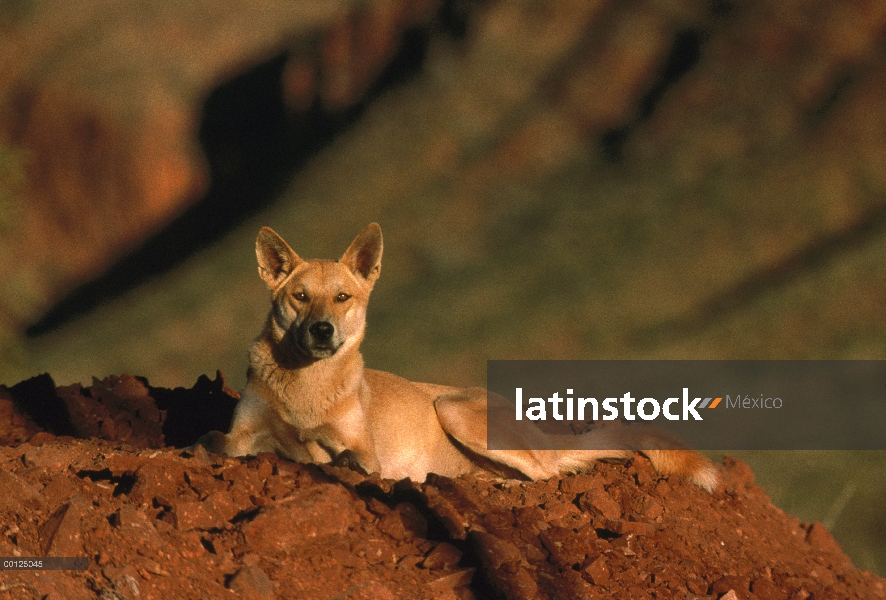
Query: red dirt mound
{"points": [[94, 472]]}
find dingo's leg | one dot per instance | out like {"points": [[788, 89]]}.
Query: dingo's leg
{"points": [[463, 416]]}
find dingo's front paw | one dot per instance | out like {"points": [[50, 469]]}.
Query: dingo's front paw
{"points": [[213, 441], [352, 460]]}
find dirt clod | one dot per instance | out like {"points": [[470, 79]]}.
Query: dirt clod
{"points": [[156, 521]]}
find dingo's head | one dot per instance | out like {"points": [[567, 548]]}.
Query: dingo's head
{"points": [[318, 306]]}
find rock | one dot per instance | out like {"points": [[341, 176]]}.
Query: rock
{"points": [[309, 515], [579, 483], [623, 527], [598, 501], [222, 505], [765, 589], [443, 556], [458, 579], [188, 515], [154, 479], [565, 547], [402, 522], [597, 571], [819, 537], [60, 534], [494, 552], [251, 582], [739, 587], [135, 526], [17, 492]]}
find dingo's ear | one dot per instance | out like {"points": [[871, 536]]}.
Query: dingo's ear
{"points": [[363, 256], [275, 258]]}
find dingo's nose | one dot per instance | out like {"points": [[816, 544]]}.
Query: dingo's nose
{"points": [[321, 331]]}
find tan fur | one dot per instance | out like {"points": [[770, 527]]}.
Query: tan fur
{"points": [[309, 398]]}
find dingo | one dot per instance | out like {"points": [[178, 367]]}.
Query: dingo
{"points": [[309, 398]]}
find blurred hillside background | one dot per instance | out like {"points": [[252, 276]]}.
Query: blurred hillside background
{"points": [[555, 179]]}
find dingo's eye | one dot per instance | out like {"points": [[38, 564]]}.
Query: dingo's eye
{"points": [[300, 296], [342, 297]]}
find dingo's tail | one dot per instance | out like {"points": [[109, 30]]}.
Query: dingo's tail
{"points": [[463, 416]]}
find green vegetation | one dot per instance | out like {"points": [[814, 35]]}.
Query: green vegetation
{"points": [[12, 179]]}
